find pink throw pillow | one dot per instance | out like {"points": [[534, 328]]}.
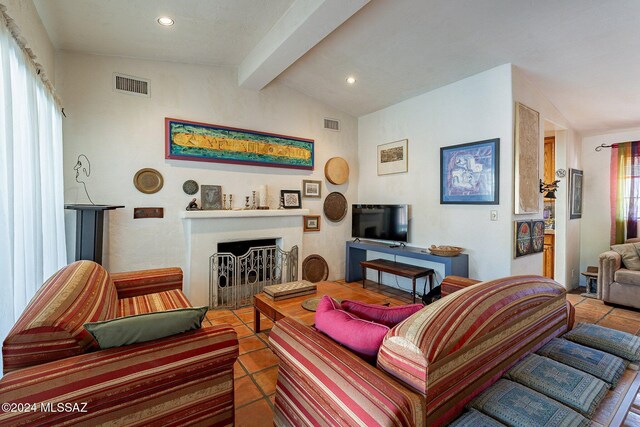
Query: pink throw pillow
{"points": [[360, 336], [389, 316]]}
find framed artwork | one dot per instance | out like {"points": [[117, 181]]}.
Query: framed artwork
{"points": [[392, 157], [522, 238], [311, 222], [205, 142], [470, 173], [311, 188], [211, 197], [537, 236], [527, 141], [291, 199], [575, 193]]}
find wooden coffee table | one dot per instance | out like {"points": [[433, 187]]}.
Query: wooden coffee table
{"points": [[292, 307]]}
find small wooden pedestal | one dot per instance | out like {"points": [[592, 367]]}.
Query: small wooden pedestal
{"points": [[89, 227]]}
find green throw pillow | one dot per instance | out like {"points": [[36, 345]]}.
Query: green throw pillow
{"points": [[629, 254], [145, 327]]}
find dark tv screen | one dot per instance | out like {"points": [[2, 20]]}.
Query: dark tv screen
{"points": [[381, 222]]}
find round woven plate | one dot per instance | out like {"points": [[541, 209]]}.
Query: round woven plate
{"points": [[190, 187], [311, 304], [315, 269], [335, 207], [336, 170], [148, 181]]}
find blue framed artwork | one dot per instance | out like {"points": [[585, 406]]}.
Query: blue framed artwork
{"points": [[470, 173], [203, 142]]}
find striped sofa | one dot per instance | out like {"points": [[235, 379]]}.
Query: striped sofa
{"points": [[429, 366], [49, 359]]}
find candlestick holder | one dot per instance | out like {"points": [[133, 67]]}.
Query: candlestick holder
{"points": [[246, 203]]}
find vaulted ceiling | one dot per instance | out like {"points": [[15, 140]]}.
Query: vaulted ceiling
{"points": [[583, 55]]}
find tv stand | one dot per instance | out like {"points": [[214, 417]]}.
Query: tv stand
{"points": [[356, 252]]}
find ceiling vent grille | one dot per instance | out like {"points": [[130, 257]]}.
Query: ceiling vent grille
{"points": [[332, 124], [130, 85]]}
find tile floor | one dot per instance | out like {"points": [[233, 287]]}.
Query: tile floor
{"points": [[256, 369]]}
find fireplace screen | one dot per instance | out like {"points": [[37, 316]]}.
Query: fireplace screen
{"points": [[234, 280]]}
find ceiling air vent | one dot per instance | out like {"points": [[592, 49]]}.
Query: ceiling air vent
{"points": [[131, 85], [332, 124]]}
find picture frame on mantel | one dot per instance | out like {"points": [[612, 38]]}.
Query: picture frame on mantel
{"points": [[470, 173], [291, 199], [526, 160]]}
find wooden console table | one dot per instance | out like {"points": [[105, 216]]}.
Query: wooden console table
{"points": [[409, 271]]}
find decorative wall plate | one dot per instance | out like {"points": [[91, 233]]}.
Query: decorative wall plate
{"points": [[335, 207], [190, 187], [315, 269], [148, 181], [336, 170]]}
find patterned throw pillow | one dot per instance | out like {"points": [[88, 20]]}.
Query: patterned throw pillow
{"points": [[572, 387], [620, 343], [473, 418], [389, 316], [607, 367], [518, 406]]}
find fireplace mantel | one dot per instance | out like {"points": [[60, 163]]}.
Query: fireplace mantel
{"points": [[250, 213]]}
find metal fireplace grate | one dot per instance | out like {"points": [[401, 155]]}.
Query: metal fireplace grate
{"points": [[234, 280]]}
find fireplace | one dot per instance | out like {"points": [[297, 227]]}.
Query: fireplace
{"points": [[241, 269]]}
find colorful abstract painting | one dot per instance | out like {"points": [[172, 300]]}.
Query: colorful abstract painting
{"points": [[537, 236], [470, 173], [212, 143], [523, 238]]}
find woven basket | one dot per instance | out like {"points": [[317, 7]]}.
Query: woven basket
{"points": [[445, 251]]}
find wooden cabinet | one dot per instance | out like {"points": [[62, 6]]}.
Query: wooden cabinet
{"points": [[548, 256]]}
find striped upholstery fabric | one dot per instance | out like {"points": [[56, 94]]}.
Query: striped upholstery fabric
{"points": [[161, 301], [456, 347], [185, 379], [451, 284], [135, 283], [51, 326], [321, 383]]}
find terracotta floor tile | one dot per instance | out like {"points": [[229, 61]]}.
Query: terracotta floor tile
{"points": [[621, 324], [265, 324], [264, 336], [258, 360], [246, 391], [595, 305], [243, 331], [575, 299], [250, 343], [257, 414], [588, 317], [230, 319], [246, 317], [215, 312], [244, 310], [266, 380], [626, 313], [238, 370]]}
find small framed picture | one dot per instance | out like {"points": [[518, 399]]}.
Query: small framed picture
{"points": [[575, 193], [311, 222], [392, 157], [311, 188], [211, 196], [291, 199]]}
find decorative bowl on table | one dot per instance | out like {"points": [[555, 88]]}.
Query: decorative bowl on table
{"points": [[444, 250]]}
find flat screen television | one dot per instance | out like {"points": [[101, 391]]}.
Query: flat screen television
{"points": [[381, 222]]}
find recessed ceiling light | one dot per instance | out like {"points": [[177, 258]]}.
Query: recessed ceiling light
{"points": [[165, 20], [351, 80]]}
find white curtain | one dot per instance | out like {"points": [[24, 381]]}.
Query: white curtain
{"points": [[32, 240]]}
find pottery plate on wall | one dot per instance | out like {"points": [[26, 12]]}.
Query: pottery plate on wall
{"points": [[335, 207], [148, 181], [336, 170]]}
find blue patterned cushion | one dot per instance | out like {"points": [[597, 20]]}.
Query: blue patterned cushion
{"points": [[473, 418], [518, 406], [574, 388], [607, 367], [620, 343]]}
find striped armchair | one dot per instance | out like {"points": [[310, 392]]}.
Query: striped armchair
{"points": [[50, 359], [429, 366]]}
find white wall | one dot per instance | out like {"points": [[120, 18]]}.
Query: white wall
{"points": [[473, 109], [596, 220], [24, 13], [567, 238], [122, 133]]}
